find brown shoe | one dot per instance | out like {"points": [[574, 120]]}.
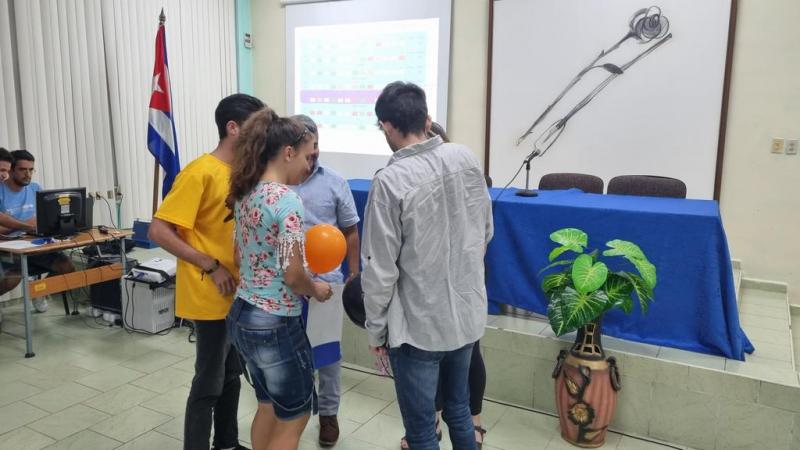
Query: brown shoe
{"points": [[328, 431]]}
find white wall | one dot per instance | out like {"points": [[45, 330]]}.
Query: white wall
{"points": [[760, 197]]}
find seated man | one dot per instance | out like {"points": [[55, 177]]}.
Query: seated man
{"points": [[18, 200], [8, 223]]}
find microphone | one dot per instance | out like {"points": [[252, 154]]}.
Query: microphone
{"points": [[529, 192], [536, 152]]}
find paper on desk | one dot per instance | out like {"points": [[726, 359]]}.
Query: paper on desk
{"points": [[17, 245]]}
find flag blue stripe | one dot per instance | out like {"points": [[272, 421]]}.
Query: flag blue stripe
{"points": [[165, 157], [326, 354]]}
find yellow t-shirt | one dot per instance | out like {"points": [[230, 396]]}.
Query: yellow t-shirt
{"points": [[196, 205]]}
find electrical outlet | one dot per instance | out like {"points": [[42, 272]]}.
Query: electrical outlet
{"points": [[792, 146], [111, 191], [777, 145]]}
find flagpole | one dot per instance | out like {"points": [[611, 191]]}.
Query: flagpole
{"points": [[155, 188], [161, 20]]}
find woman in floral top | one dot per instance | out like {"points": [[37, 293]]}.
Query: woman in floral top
{"points": [[264, 321]]}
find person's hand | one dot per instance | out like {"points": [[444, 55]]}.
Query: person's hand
{"points": [[378, 351], [224, 281], [322, 291], [351, 276]]}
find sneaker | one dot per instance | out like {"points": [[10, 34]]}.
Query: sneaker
{"points": [[40, 304], [328, 431], [238, 447]]}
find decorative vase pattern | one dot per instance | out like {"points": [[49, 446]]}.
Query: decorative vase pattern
{"points": [[586, 389]]}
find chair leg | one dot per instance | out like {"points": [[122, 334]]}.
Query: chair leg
{"points": [[75, 311]]}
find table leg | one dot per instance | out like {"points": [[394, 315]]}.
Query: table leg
{"points": [[26, 306], [123, 259]]}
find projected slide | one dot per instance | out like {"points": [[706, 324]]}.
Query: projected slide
{"points": [[341, 69]]}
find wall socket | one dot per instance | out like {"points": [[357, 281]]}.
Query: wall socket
{"points": [[792, 146], [777, 145]]}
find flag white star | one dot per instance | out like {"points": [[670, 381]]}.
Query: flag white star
{"points": [[156, 87]]}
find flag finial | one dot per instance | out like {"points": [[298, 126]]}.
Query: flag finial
{"points": [[161, 17]]}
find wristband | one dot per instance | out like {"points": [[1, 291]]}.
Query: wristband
{"points": [[213, 268]]}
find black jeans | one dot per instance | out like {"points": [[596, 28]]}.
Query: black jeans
{"points": [[215, 389], [477, 383]]}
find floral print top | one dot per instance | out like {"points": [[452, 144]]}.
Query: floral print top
{"points": [[269, 221]]}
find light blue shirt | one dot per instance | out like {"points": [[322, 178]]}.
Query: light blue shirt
{"points": [[327, 199], [20, 205]]}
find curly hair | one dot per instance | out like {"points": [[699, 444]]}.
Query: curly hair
{"points": [[260, 139]]}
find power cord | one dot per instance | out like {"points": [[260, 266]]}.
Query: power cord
{"points": [[497, 197], [192, 338], [110, 212], [131, 306]]}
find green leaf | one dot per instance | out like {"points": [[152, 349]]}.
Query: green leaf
{"points": [[555, 314], [578, 309], [648, 272], [619, 290], [563, 262], [570, 237], [643, 291], [555, 281], [559, 250], [627, 249], [586, 276], [636, 256]]}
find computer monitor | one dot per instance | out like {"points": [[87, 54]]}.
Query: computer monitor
{"points": [[60, 212]]}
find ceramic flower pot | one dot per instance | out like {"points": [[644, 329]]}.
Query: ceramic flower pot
{"points": [[586, 386]]}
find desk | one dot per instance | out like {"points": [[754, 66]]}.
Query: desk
{"points": [[695, 301], [61, 283]]}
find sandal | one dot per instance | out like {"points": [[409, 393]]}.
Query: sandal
{"points": [[482, 432], [404, 443]]}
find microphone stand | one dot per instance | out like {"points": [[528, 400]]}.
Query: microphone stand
{"points": [[528, 192]]}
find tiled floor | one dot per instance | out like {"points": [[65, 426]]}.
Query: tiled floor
{"points": [[94, 387], [765, 318]]}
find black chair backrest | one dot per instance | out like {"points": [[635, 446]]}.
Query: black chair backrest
{"points": [[582, 181], [647, 185]]}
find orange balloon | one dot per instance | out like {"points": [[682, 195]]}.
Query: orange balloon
{"points": [[325, 248]]}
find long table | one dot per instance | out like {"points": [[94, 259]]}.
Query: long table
{"points": [[695, 301], [60, 283]]}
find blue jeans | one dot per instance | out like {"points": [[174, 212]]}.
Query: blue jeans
{"points": [[416, 374], [278, 358]]}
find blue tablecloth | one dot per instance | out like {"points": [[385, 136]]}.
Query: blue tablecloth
{"points": [[695, 301]]}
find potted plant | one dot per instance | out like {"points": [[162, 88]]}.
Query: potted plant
{"points": [[579, 293]]}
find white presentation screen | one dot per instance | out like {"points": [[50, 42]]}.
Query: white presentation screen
{"points": [[341, 54]]}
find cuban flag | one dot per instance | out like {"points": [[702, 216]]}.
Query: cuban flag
{"points": [[161, 137], [324, 327]]}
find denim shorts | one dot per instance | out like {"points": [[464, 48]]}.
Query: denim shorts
{"points": [[278, 357]]}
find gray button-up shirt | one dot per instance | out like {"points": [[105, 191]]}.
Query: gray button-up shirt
{"points": [[427, 223]]}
